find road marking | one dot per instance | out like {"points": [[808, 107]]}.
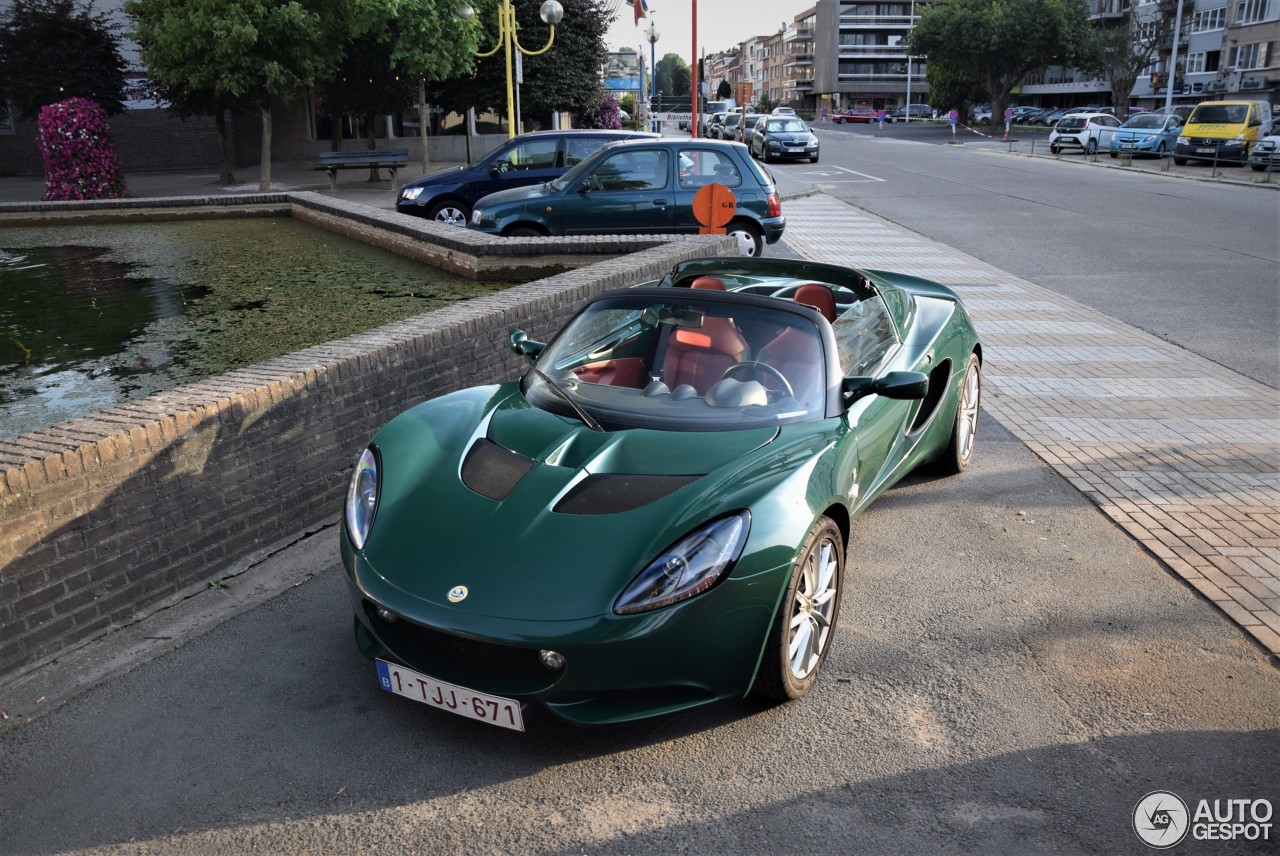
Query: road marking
{"points": [[825, 174]]}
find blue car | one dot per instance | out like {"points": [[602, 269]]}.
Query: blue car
{"points": [[641, 187], [1146, 134], [449, 195]]}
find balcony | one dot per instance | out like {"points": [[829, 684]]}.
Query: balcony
{"points": [[901, 22], [1100, 10]]}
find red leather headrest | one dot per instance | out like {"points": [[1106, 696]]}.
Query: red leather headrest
{"points": [[819, 297], [709, 283]]}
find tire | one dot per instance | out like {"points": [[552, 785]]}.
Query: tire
{"points": [[1180, 161], [750, 238], [1160, 149], [1115, 154], [1091, 147], [964, 431], [813, 160], [525, 232], [806, 618], [1258, 167], [451, 213], [1054, 148], [840, 121]]}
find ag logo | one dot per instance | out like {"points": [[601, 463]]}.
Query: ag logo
{"points": [[457, 593], [1160, 819]]}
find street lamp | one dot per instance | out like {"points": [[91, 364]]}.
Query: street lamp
{"points": [[652, 35], [551, 13]]}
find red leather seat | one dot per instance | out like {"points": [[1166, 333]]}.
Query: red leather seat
{"points": [[797, 353], [699, 356]]}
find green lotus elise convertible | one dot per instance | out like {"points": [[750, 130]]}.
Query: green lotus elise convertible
{"points": [[655, 517]]}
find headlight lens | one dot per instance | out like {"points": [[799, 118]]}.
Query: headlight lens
{"points": [[692, 565], [476, 216], [362, 498], [411, 193], [1182, 141]]}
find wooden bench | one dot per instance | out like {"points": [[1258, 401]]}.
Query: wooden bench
{"points": [[388, 159]]}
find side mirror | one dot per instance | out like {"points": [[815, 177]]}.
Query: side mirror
{"points": [[521, 344], [584, 187], [901, 385]]}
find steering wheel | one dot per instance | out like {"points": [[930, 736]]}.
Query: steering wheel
{"points": [[753, 365]]}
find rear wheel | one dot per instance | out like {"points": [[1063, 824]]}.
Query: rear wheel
{"points": [[750, 237], [1091, 147], [803, 629], [964, 432]]}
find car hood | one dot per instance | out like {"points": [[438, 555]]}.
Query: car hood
{"points": [[514, 195], [541, 518], [790, 137], [440, 176]]}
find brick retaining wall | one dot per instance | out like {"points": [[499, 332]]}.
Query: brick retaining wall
{"points": [[113, 515]]}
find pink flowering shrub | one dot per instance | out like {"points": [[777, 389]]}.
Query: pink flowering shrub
{"points": [[79, 153]]}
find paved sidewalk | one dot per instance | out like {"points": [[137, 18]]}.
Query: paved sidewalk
{"points": [[1177, 450], [1180, 452]]}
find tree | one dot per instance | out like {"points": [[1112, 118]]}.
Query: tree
{"points": [[724, 91], [995, 43], [1123, 52], [565, 78], [252, 51], [51, 51], [369, 84], [674, 76]]}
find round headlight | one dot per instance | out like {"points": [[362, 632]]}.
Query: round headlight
{"points": [[362, 498]]}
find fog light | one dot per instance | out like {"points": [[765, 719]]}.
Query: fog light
{"points": [[386, 614], [553, 660]]}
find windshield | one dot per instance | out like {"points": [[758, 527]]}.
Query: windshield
{"points": [[1145, 120], [1219, 114], [578, 170], [687, 363], [785, 126]]}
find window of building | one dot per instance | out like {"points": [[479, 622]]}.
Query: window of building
{"points": [[1256, 55], [1256, 11], [1205, 20], [6, 119]]}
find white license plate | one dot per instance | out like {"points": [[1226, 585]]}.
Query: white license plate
{"points": [[495, 710], [1205, 151]]}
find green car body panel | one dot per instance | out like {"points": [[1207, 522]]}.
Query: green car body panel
{"points": [[541, 578]]}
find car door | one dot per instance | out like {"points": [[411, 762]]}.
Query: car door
{"points": [[630, 191], [703, 165], [525, 162]]}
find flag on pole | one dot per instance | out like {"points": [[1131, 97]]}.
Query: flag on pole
{"points": [[642, 9]]}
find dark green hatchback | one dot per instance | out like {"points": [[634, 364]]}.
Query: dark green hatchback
{"points": [[641, 187]]}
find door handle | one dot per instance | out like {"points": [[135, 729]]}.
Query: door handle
{"points": [[659, 202]]}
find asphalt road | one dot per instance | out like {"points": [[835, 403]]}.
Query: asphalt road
{"points": [[1011, 675], [1194, 261]]}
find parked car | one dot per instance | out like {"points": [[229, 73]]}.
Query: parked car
{"points": [[783, 137], [649, 188], [783, 111], [655, 517], [447, 196], [916, 111], [855, 114], [982, 113], [1223, 131], [1182, 111], [732, 125], [1083, 131], [1266, 154], [742, 133], [714, 123], [1051, 117], [1146, 133]]}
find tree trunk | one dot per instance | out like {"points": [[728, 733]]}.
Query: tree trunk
{"points": [[422, 122], [264, 184], [224, 148], [335, 132]]}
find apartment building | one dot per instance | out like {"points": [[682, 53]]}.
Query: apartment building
{"points": [[859, 54]]}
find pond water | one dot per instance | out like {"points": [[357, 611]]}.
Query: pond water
{"points": [[91, 316]]}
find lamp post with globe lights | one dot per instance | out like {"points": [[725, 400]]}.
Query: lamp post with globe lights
{"points": [[551, 13], [652, 35]]}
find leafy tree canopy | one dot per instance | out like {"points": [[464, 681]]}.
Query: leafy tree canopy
{"points": [[995, 43], [50, 51], [674, 75]]}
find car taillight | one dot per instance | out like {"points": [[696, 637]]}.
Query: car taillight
{"points": [[775, 205]]}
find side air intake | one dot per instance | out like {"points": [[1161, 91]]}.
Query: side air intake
{"points": [[493, 471]]}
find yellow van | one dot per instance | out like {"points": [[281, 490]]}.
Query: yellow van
{"points": [[1222, 131]]}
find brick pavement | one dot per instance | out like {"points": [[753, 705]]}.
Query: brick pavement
{"points": [[1180, 452]]}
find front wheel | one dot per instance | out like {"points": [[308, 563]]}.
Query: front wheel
{"points": [[750, 237], [450, 213], [802, 630], [1054, 149], [964, 432], [525, 232], [1180, 161], [813, 159], [1091, 147]]}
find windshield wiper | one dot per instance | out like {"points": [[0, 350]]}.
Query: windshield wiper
{"points": [[582, 414]]}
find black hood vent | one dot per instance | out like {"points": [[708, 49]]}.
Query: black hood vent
{"points": [[611, 493], [493, 471]]}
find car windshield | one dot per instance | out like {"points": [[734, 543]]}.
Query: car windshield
{"points": [[785, 126], [1219, 114], [698, 360], [578, 170], [1145, 120]]}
